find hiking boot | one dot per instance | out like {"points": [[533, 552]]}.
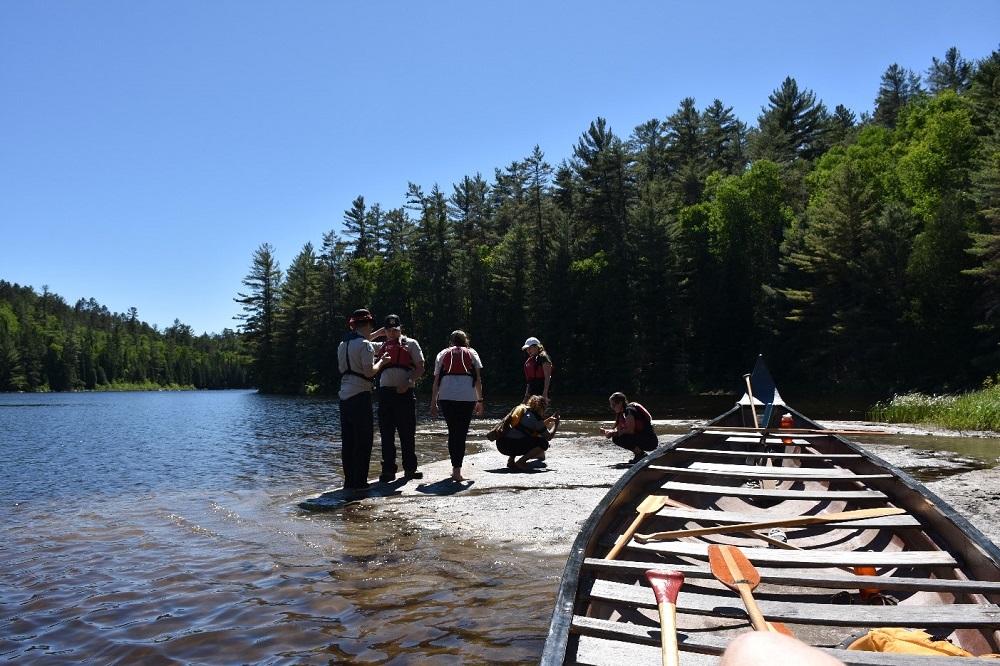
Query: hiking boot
{"points": [[387, 477], [414, 474]]}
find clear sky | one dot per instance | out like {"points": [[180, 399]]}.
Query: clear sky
{"points": [[148, 148]]}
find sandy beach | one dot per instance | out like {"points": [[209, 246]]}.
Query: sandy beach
{"points": [[543, 510]]}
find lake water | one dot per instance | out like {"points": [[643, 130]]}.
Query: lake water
{"points": [[163, 528]]}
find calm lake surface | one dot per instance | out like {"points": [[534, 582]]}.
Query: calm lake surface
{"points": [[164, 528]]}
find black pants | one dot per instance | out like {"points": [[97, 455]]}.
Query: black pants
{"points": [[397, 412], [458, 416], [629, 442], [357, 434]]}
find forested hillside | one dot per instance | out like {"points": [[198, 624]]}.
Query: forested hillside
{"points": [[857, 254], [47, 345]]}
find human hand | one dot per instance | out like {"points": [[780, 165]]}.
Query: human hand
{"points": [[434, 410], [479, 409]]}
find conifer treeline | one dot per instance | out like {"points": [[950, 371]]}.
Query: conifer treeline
{"points": [[857, 254], [46, 345]]}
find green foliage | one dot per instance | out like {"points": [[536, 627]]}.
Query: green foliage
{"points": [[46, 345], [856, 255], [974, 410]]}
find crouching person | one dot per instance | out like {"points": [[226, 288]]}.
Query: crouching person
{"points": [[633, 429], [529, 433]]}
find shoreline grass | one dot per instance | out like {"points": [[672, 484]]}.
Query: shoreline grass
{"points": [[976, 410]]}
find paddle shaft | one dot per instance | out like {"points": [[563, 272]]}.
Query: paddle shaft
{"points": [[782, 522], [668, 633], [651, 504], [753, 407]]}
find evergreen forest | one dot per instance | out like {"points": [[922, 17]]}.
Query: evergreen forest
{"points": [[858, 254], [47, 345]]}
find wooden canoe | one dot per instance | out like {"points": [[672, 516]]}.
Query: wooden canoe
{"points": [[732, 472]]}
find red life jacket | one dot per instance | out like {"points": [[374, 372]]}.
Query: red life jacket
{"points": [[533, 367], [458, 361], [399, 354]]}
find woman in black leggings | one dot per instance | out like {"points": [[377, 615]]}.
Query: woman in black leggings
{"points": [[458, 392]]}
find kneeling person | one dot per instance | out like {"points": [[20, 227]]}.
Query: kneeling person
{"points": [[529, 434]]}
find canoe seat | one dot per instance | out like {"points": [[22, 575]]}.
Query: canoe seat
{"points": [[728, 604]]}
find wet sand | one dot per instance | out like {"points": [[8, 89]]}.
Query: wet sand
{"points": [[544, 509]]}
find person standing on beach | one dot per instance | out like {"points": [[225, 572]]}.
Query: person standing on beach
{"points": [[633, 429], [458, 391], [537, 369], [356, 362], [403, 365]]}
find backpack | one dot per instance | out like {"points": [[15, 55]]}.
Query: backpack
{"points": [[504, 425]]}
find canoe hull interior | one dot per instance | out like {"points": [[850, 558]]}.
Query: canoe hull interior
{"points": [[843, 541]]}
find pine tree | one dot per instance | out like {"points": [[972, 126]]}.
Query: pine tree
{"points": [[952, 73], [898, 88], [791, 127], [260, 312]]}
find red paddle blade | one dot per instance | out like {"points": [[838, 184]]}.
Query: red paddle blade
{"points": [[666, 584], [732, 567]]}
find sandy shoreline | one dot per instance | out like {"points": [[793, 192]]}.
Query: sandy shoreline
{"points": [[542, 511]]}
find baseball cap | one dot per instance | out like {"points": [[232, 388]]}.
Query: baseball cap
{"points": [[392, 321], [531, 341]]}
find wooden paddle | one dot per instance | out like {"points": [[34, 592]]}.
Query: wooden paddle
{"points": [[766, 524], [649, 505], [731, 567], [666, 585], [766, 484]]}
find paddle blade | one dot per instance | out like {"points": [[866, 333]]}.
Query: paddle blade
{"points": [[652, 504], [666, 585], [732, 567]]}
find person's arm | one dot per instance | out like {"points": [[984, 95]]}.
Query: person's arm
{"points": [[434, 394], [629, 423], [554, 422], [418, 372], [479, 392], [547, 371], [369, 368]]}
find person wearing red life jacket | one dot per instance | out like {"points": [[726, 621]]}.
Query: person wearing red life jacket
{"points": [[537, 369], [403, 365], [633, 429], [458, 392], [357, 365]]}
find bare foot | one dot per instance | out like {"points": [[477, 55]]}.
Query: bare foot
{"points": [[456, 474]]}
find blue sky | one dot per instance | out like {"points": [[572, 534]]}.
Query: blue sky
{"points": [[148, 148]]}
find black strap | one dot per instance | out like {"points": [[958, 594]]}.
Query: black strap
{"points": [[347, 355]]}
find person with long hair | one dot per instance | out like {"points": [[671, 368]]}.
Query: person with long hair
{"points": [[537, 369], [529, 434], [633, 430], [458, 392]]}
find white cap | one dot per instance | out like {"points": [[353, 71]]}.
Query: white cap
{"points": [[531, 341]]}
